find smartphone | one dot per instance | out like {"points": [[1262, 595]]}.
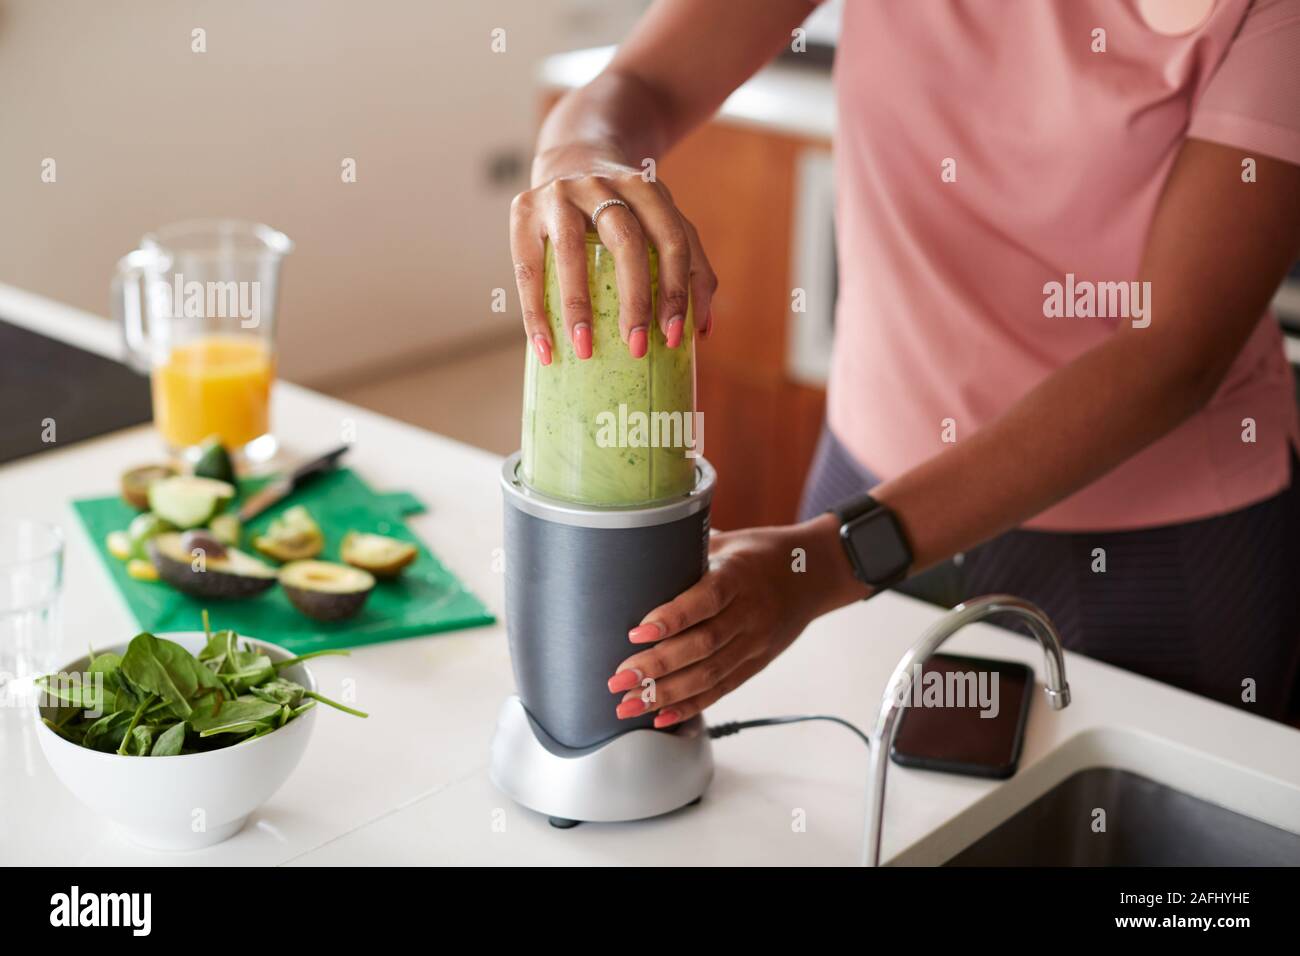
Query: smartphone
{"points": [[965, 715]]}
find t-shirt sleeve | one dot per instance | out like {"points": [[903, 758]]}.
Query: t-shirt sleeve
{"points": [[1253, 101]]}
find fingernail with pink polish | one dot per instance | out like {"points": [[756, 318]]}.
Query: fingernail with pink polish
{"points": [[630, 708], [645, 632], [674, 333], [582, 340], [666, 718], [543, 346], [624, 681], [636, 341]]}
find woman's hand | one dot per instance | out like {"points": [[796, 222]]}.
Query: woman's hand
{"points": [[572, 181], [591, 149], [763, 587]]}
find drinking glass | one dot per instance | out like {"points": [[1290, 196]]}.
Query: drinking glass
{"points": [[197, 304], [31, 580]]}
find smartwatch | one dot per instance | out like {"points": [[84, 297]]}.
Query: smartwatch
{"points": [[874, 542]]}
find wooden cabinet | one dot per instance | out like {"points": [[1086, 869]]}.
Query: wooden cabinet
{"points": [[738, 184]]}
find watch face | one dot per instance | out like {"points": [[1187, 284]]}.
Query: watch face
{"points": [[878, 547]]}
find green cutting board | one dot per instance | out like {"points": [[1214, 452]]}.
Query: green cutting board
{"points": [[425, 599]]}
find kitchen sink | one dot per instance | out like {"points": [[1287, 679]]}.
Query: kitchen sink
{"points": [[1146, 824]]}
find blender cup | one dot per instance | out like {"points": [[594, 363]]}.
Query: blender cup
{"points": [[611, 430], [606, 510]]}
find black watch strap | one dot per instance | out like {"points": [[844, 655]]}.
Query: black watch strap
{"points": [[855, 507], [873, 541]]}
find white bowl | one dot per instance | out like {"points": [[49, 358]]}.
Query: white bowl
{"points": [[189, 800]]}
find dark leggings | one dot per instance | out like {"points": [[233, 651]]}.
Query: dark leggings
{"points": [[1204, 605]]}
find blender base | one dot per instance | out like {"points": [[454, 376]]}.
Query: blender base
{"points": [[642, 773]]}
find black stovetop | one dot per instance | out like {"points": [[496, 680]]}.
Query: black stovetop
{"points": [[83, 394]]}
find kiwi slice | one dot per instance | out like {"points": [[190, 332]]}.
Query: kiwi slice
{"points": [[294, 536], [382, 556], [135, 483], [324, 590]]}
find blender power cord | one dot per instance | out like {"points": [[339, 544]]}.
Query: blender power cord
{"points": [[736, 726]]}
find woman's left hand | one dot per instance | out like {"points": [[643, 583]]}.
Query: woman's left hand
{"points": [[763, 587]]}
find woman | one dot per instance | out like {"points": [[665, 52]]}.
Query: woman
{"points": [[1060, 224]]}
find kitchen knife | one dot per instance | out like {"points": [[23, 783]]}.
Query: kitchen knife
{"points": [[277, 489]]}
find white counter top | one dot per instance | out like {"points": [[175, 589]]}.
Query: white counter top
{"points": [[410, 784], [798, 100]]}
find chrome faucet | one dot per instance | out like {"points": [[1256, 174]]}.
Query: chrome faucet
{"points": [[899, 689]]}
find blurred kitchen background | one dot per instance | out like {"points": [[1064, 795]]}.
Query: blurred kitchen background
{"points": [[392, 273], [387, 299]]}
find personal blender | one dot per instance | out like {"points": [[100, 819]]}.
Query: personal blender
{"points": [[606, 518]]}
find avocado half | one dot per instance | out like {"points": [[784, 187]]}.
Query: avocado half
{"points": [[232, 574], [294, 536], [382, 556], [324, 590]]}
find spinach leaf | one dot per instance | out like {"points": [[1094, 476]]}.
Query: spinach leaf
{"points": [[105, 674], [67, 732], [217, 647], [234, 716], [170, 741], [280, 691], [335, 704], [94, 690], [128, 736], [238, 665], [141, 740], [126, 694], [248, 669], [105, 663], [325, 652], [257, 728], [68, 692], [166, 669], [107, 732]]}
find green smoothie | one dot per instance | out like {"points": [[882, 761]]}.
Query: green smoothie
{"points": [[611, 430]]}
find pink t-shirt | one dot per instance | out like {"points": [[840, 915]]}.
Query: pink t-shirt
{"points": [[1057, 155]]}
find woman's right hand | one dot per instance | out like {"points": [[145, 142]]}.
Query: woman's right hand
{"points": [[572, 181]]}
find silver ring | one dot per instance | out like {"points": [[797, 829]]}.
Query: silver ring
{"points": [[595, 213]]}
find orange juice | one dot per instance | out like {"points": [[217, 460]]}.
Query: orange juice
{"points": [[219, 385]]}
